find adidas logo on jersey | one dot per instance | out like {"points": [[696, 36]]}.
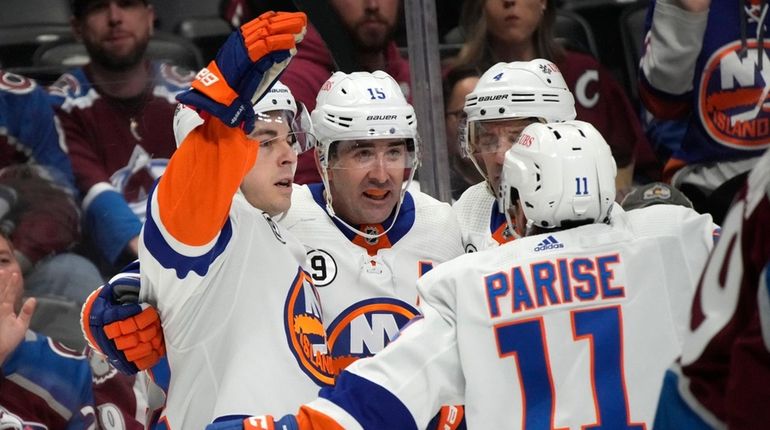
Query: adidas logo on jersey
{"points": [[549, 242]]}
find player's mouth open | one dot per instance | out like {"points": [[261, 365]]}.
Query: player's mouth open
{"points": [[376, 194], [284, 183]]}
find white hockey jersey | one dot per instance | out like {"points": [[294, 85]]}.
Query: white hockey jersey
{"points": [[241, 318], [483, 226], [368, 288], [569, 329]]}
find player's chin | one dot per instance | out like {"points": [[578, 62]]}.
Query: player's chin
{"points": [[284, 198], [279, 206]]}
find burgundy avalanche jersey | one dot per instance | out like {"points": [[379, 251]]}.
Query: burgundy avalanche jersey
{"points": [[22, 140], [724, 371], [118, 148], [45, 385], [125, 144], [121, 400]]}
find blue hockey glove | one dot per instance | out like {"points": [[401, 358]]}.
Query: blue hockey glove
{"points": [[115, 324], [245, 68]]}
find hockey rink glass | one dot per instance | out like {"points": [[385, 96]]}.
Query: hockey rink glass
{"points": [[280, 126]]}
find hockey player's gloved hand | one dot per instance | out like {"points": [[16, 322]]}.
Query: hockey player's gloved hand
{"points": [[245, 68], [264, 422], [115, 324]]}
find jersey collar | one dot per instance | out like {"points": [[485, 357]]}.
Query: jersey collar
{"points": [[403, 224]]}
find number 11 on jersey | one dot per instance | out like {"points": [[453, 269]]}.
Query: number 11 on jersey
{"points": [[525, 341]]}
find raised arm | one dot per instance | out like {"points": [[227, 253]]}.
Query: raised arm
{"points": [[212, 159], [672, 46]]}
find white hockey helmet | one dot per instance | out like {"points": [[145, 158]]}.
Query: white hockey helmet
{"points": [[278, 105], [278, 98], [516, 90], [562, 173], [363, 106]]}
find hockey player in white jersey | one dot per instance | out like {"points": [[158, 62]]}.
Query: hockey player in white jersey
{"points": [[238, 310], [571, 327], [368, 238], [507, 98]]}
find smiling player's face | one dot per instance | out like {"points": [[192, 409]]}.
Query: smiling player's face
{"points": [[366, 177]]}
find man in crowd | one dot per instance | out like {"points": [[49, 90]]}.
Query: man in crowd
{"points": [[116, 115]]}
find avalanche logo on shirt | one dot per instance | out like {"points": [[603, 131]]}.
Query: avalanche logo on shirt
{"points": [[136, 179], [366, 327], [16, 84], [101, 371], [305, 332], [734, 107]]}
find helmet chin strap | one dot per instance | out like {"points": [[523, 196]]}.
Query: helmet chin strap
{"points": [[511, 224], [330, 207]]}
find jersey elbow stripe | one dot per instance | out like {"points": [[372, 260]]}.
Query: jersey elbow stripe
{"points": [[169, 258], [381, 404]]}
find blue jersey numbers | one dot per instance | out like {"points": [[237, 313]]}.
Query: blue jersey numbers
{"points": [[601, 330], [376, 93]]}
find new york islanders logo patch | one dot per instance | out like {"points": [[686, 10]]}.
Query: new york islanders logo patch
{"points": [[366, 327], [305, 332], [734, 107]]}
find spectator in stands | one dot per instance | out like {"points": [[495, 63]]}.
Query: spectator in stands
{"points": [[116, 115], [458, 83], [371, 25], [37, 195], [44, 384], [505, 30], [700, 67]]}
